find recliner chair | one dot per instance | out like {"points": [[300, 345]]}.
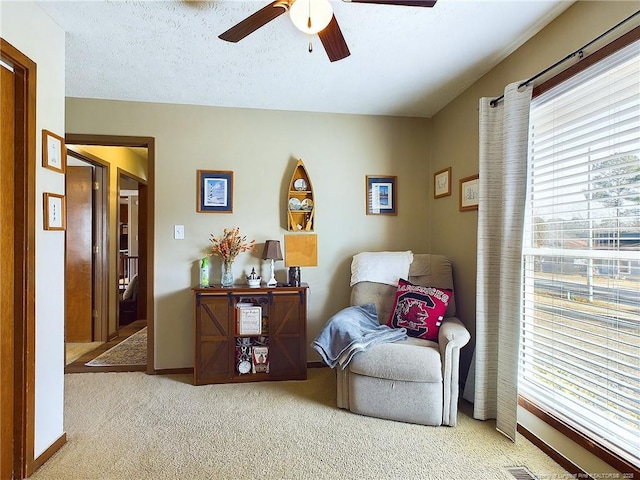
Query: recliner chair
{"points": [[128, 305], [413, 380]]}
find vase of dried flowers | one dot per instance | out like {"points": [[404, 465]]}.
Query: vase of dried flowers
{"points": [[227, 247], [227, 274]]}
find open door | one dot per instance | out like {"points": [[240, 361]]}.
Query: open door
{"points": [[79, 257], [17, 247], [86, 294], [7, 310]]}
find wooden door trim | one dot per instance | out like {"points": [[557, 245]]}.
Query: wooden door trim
{"points": [[100, 226], [25, 71], [146, 226]]}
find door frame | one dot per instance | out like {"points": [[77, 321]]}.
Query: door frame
{"points": [[101, 253], [25, 72], [146, 226]]}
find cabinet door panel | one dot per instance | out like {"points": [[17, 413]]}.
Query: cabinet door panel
{"points": [[287, 335], [213, 359], [285, 356], [286, 315], [213, 344], [214, 313]]}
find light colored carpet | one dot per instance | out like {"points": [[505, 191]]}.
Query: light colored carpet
{"points": [[131, 351], [123, 426], [74, 351]]}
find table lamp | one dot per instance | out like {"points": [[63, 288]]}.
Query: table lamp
{"points": [[272, 252]]}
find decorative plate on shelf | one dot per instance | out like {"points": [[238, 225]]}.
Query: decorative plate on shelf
{"points": [[294, 204], [300, 184], [307, 204]]}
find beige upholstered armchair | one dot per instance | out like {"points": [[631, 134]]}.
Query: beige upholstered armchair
{"points": [[412, 380]]}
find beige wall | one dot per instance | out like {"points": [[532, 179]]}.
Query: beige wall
{"points": [[455, 143], [261, 148]]}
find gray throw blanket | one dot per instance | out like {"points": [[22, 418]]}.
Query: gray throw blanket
{"points": [[352, 330]]}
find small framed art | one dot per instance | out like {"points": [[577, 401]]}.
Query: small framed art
{"points": [[442, 183], [53, 152], [215, 191], [381, 195], [54, 212], [469, 193]]}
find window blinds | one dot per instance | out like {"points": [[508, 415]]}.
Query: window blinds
{"points": [[580, 340]]}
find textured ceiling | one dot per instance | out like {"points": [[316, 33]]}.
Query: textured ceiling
{"points": [[404, 61]]}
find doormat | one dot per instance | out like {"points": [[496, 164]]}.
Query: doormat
{"points": [[132, 351]]}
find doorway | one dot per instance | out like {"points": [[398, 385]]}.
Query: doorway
{"points": [[128, 246]]}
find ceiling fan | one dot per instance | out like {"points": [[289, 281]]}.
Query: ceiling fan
{"points": [[309, 16]]}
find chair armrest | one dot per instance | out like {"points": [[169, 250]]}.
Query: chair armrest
{"points": [[452, 336], [452, 331]]}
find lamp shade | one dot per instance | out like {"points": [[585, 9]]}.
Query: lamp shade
{"points": [[311, 16], [272, 250]]}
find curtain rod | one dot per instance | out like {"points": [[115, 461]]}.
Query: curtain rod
{"points": [[579, 52]]}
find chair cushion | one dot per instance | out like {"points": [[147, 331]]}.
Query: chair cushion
{"points": [[419, 309], [411, 360]]}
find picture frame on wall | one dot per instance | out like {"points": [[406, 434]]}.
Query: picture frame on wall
{"points": [[54, 211], [442, 183], [469, 193], [54, 152], [382, 194], [215, 191]]}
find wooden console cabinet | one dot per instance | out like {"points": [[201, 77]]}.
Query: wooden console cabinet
{"points": [[220, 351]]}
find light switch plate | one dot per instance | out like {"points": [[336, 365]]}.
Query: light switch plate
{"points": [[178, 232]]}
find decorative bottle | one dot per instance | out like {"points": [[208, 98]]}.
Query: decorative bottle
{"points": [[204, 272]]}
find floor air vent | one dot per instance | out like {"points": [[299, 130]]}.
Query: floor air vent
{"points": [[521, 473]]}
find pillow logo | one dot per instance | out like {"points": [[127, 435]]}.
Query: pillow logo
{"points": [[412, 312], [419, 309]]}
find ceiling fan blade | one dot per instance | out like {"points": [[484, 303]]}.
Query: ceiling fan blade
{"points": [[333, 41], [254, 22], [408, 3]]}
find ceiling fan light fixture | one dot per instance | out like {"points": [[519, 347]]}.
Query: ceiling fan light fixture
{"points": [[311, 16]]}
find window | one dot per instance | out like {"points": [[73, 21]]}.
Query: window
{"points": [[580, 342]]}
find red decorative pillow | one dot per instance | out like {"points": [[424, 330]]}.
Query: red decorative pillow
{"points": [[419, 309]]}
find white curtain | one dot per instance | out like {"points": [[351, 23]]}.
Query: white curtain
{"points": [[504, 133]]}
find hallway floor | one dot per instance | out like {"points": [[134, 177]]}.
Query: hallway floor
{"points": [[78, 365]]}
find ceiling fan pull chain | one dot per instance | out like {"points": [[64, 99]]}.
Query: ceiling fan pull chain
{"points": [[309, 27]]}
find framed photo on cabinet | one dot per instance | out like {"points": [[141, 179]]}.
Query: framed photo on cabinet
{"points": [[381, 195], [215, 191], [54, 212], [442, 183], [469, 193], [54, 152]]}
